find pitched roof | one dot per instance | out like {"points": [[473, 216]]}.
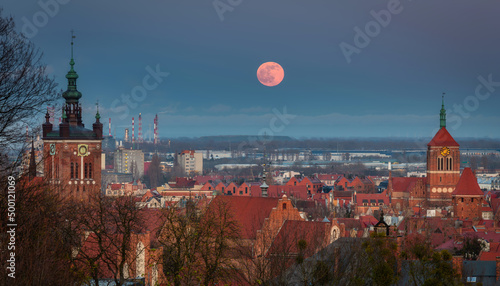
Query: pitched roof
{"points": [[314, 233], [467, 185], [443, 138], [404, 184], [250, 212]]}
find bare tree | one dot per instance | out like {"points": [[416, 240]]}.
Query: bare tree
{"points": [[198, 243], [37, 238], [25, 88], [106, 227], [154, 173]]}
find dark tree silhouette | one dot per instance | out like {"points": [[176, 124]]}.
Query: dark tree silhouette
{"points": [[25, 87]]}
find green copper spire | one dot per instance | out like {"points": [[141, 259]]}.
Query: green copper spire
{"points": [[97, 115], [442, 115], [72, 95]]}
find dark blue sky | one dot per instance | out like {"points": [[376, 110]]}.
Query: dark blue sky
{"points": [[391, 86]]}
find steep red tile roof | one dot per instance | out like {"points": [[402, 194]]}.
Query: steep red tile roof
{"points": [[368, 220], [492, 254], [404, 184], [250, 212], [316, 235], [467, 185], [443, 138]]}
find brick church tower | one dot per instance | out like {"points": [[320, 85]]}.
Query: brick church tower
{"points": [[443, 165], [467, 197], [72, 153]]}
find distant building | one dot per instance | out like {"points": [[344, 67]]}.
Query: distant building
{"points": [[108, 144], [190, 162], [125, 158], [495, 183]]}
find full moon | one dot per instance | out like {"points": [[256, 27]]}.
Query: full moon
{"points": [[270, 74]]}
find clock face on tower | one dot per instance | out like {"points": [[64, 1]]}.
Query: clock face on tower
{"points": [[83, 149], [445, 151]]}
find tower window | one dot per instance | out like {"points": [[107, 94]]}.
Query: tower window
{"points": [[72, 173], [284, 206], [85, 170], [90, 170], [76, 170]]}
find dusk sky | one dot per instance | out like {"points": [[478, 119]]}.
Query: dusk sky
{"points": [[350, 70]]}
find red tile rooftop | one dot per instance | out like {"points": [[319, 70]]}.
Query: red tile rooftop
{"points": [[467, 185], [443, 138]]}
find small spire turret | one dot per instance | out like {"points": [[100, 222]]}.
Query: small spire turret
{"points": [[72, 95], [442, 114]]}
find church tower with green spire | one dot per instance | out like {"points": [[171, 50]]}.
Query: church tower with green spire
{"points": [[443, 164], [72, 153]]}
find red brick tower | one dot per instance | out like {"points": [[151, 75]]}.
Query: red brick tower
{"points": [[443, 165], [72, 154], [467, 197]]}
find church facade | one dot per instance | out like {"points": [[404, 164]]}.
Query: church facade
{"points": [[440, 188], [72, 153]]}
